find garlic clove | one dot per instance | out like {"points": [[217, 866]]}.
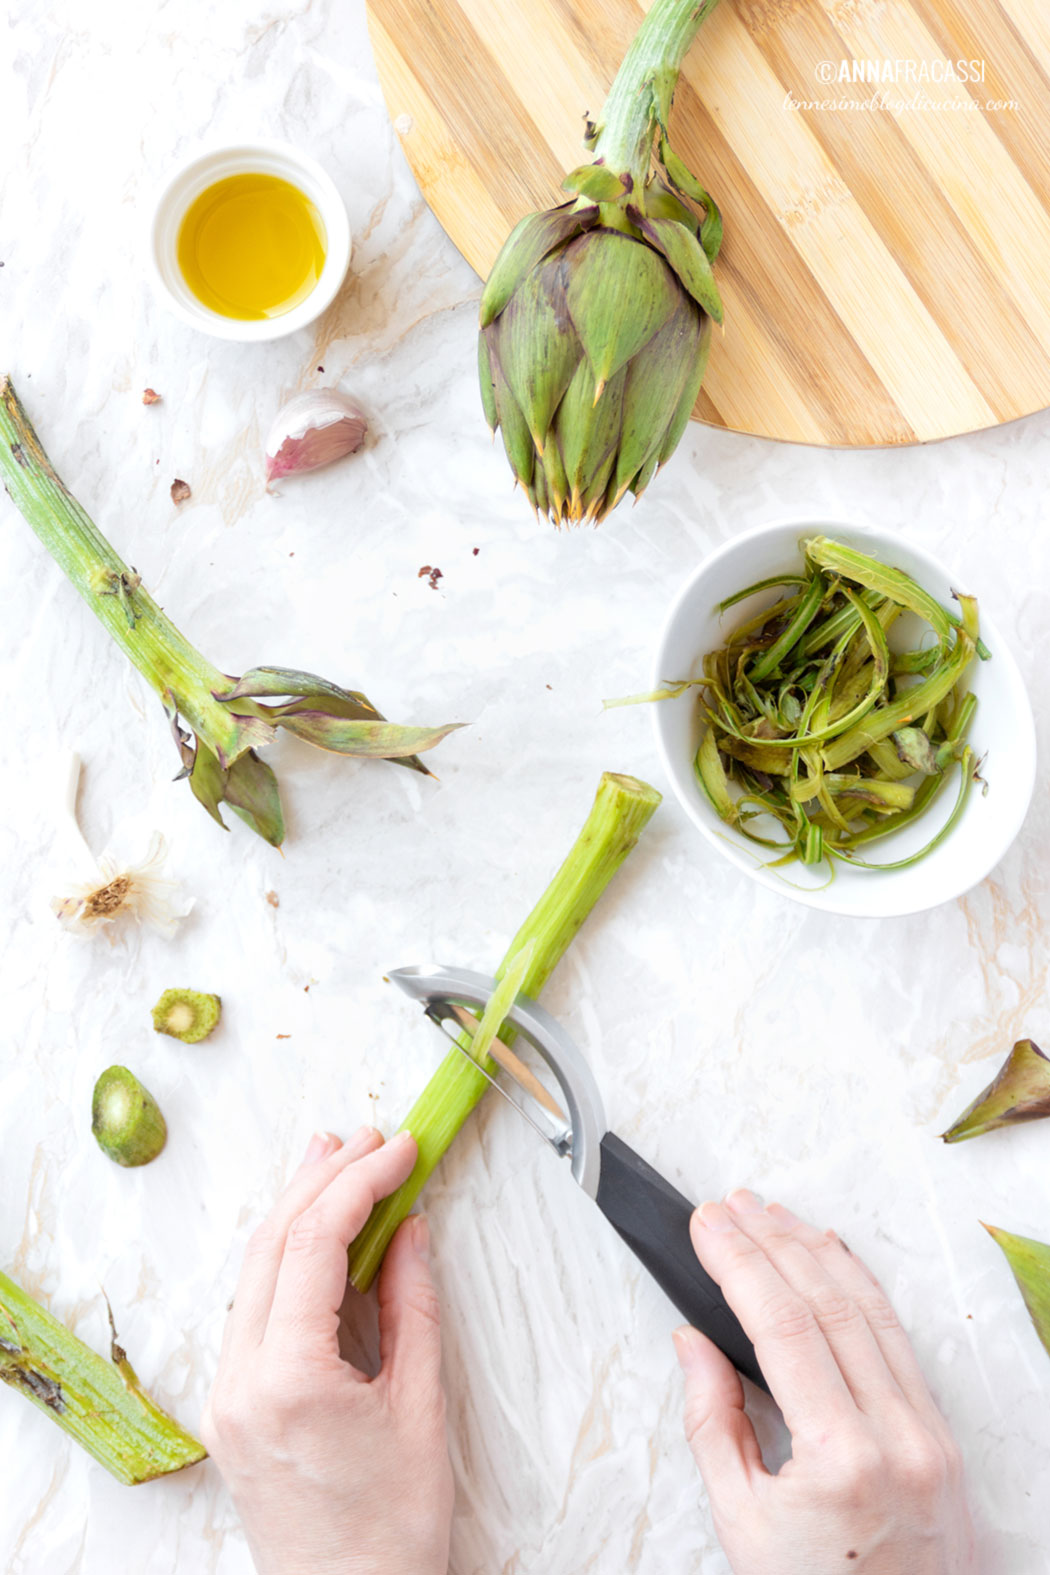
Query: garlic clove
{"points": [[312, 430]]}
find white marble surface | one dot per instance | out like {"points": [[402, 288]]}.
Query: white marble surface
{"points": [[738, 1038]]}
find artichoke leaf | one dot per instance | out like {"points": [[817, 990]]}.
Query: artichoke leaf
{"points": [[690, 394], [487, 384], [184, 740], [269, 682], [661, 203], [595, 182], [557, 481], [1030, 1262], [683, 179], [536, 348], [208, 782], [252, 793], [1019, 1092], [517, 439], [537, 491], [687, 257], [381, 740], [620, 293], [643, 477], [528, 242], [589, 429], [655, 379]]}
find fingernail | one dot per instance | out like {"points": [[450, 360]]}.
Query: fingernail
{"points": [[421, 1237], [401, 1139], [714, 1217], [362, 1140], [783, 1216], [319, 1146], [742, 1201], [684, 1339]]}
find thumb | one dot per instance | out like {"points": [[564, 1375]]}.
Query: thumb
{"points": [[410, 1314], [717, 1428]]}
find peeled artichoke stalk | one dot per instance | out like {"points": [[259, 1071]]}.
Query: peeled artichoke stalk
{"points": [[596, 318], [622, 808], [225, 721]]}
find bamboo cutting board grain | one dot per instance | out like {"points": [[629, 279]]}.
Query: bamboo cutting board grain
{"points": [[885, 267]]}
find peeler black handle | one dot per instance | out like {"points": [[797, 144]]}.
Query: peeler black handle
{"points": [[653, 1219]]}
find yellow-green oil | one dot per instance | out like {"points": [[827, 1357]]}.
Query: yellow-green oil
{"points": [[251, 246]]}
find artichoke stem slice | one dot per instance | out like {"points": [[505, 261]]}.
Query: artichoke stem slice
{"points": [[189, 1015], [126, 1119]]}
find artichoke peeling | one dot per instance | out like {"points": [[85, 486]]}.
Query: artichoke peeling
{"points": [[596, 318]]}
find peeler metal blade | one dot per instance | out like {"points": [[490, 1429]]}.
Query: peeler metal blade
{"points": [[439, 989], [649, 1214]]}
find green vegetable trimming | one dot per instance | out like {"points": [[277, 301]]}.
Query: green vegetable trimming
{"points": [[824, 729]]}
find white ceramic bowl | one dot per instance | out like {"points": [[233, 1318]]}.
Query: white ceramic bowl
{"points": [[1002, 731], [187, 183]]}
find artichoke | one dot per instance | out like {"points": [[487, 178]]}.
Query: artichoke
{"points": [[596, 318]]}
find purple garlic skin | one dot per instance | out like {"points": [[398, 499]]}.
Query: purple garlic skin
{"points": [[312, 430]]}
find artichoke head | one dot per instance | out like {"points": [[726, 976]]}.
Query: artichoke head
{"points": [[595, 332]]}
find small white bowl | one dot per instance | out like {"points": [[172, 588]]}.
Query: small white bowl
{"points": [[1002, 731], [248, 158]]}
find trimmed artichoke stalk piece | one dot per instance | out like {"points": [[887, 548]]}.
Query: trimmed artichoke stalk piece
{"points": [[622, 808], [219, 723], [1030, 1262], [1020, 1092], [126, 1119], [189, 1015], [596, 318], [101, 1405]]}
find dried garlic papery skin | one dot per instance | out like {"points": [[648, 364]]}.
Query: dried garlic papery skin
{"points": [[119, 891]]}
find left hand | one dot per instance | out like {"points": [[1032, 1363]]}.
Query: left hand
{"points": [[334, 1473]]}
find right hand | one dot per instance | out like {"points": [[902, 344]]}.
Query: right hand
{"points": [[875, 1482]]}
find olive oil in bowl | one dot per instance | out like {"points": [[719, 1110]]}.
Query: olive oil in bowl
{"points": [[251, 246]]}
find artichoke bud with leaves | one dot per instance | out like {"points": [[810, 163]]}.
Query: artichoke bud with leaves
{"points": [[596, 318]]}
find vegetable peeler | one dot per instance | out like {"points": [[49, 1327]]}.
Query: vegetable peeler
{"points": [[649, 1214]]}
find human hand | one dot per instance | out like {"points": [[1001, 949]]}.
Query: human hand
{"points": [[333, 1473], [875, 1482]]}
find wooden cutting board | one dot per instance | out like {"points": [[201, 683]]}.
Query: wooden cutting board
{"points": [[886, 269]]}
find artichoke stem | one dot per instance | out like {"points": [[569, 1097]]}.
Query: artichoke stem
{"points": [[622, 808], [113, 591], [100, 1404], [628, 120]]}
